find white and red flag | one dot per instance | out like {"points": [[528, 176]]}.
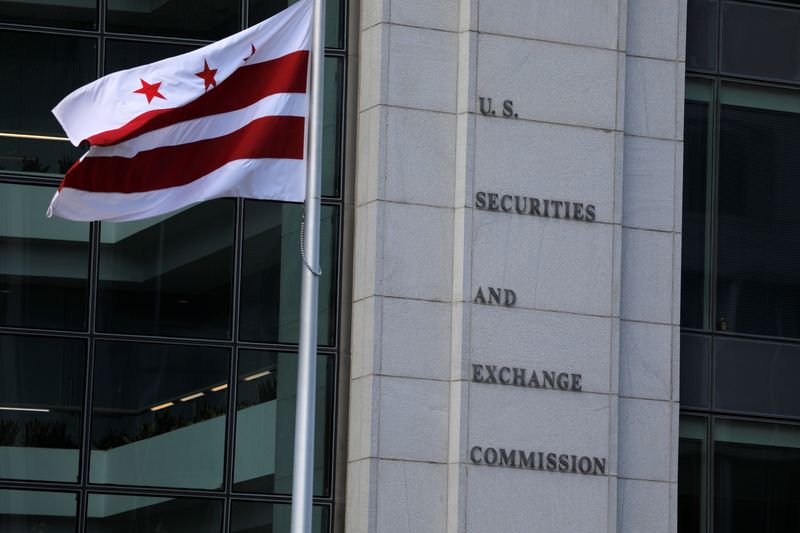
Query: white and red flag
{"points": [[227, 119]]}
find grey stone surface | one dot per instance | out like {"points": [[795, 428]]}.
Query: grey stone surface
{"points": [[367, 263], [545, 161], [645, 361], [542, 340], [437, 14], [411, 497], [650, 97], [373, 64], [552, 264], [362, 505], [537, 502], [364, 418], [371, 156], [420, 157], [647, 276], [649, 183], [365, 348], [417, 252], [550, 82], [644, 439], [422, 68], [538, 419], [644, 506], [415, 339], [568, 21], [413, 419], [653, 28]]}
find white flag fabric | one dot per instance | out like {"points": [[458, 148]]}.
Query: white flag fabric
{"points": [[227, 119]]}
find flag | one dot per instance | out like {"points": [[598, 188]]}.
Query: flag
{"points": [[227, 119]]}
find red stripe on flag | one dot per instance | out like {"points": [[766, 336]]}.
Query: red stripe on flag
{"points": [[279, 137], [247, 85]]}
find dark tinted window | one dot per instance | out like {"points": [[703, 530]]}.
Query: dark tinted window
{"points": [[44, 263], [121, 55], [758, 283], [696, 370], [271, 269], [760, 40], [169, 275], [45, 68], [200, 19], [701, 34], [41, 403], [755, 477], [158, 415], [265, 407], [692, 467], [263, 9], [114, 513], [28, 510], [79, 14], [261, 517]]}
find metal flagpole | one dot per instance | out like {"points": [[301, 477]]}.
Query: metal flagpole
{"points": [[303, 478]]}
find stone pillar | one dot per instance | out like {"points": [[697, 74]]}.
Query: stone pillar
{"points": [[468, 111]]}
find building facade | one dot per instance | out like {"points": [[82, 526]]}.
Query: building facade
{"points": [[558, 245]]}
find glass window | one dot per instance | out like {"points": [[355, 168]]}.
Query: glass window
{"points": [[692, 468], [120, 513], [760, 41], [265, 407], [37, 511], [271, 270], [169, 275], [78, 14], [263, 9], [262, 517], [697, 194], [44, 263], [331, 126], [41, 400], [199, 19], [158, 415], [756, 376], [758, 280], [46, 69], [701, 34], [121, 55], [695, 370], [756, 467]]}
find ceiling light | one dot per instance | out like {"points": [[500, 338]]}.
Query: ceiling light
{"points": [[193, 396], [31, 136], [220, 387], [24, 409], [162, 406], [259, 375]]}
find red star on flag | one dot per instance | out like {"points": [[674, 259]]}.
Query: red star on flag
{"points": [[150, 90], [208, 75]]}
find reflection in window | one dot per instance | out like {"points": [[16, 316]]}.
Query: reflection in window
{"points": [[260, 517], [701, 34], [41, 395], [265, 407], [692, 489], [758, 283], [271, 270], [158, 415], [78, 14], [37, 511], [169, 275], [109, 513], [199, 19], [46, 69], [44, 263], [755, 477]]}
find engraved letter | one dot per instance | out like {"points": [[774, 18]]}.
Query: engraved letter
{"points": [[480, 200], [472, 457]]}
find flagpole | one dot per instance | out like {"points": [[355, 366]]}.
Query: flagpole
{"points": [[303, 478]]}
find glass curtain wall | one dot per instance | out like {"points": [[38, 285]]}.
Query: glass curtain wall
{"points": [[739, 448], [148, 368]]}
